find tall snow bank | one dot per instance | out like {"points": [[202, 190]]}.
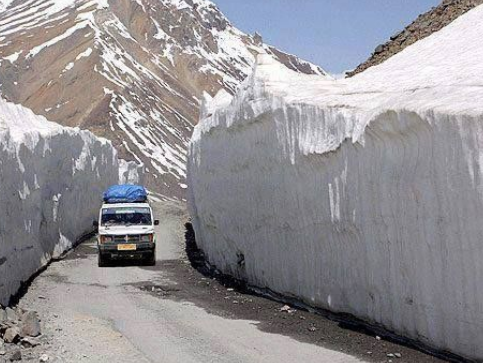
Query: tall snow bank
{"points": [[51, 182], [362, 196]]}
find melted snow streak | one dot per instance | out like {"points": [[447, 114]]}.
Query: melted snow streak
{"points": [[362, 196], [51, 182]]}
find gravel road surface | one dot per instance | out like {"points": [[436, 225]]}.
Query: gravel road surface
{"points": [[172, 313]]}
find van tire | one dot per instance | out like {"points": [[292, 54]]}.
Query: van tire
{"points": [[101, 260], [151, 260]]}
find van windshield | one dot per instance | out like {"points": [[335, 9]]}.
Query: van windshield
{"points": [[126, 216]]}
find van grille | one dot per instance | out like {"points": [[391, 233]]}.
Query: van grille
{"points": [[127, 239]]}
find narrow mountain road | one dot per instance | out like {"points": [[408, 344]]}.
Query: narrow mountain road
{"points": [[171, 313]]}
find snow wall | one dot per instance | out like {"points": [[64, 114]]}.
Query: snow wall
{"points": [[361, 196], [51, 183]]}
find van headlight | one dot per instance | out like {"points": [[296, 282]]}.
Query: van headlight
{"points": [[106, 239], [147, 238]]}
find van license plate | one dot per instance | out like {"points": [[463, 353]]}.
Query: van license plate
{"points": [[126, 247]]}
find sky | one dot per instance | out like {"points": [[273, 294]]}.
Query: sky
{"points": [[335, 34]]}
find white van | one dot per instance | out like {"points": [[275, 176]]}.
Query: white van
{"points": [[126, 230]]}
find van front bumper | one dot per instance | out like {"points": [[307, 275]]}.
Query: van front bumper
{"points": [[113, 251]]}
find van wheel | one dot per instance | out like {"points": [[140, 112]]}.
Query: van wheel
{"points": [[101, 260], [151, 260]]}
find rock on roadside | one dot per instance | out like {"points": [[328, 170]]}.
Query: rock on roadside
{"points": [[29, 342], [11, 315], [16, 356], [19, 335], [30, 325], [11, 335]]}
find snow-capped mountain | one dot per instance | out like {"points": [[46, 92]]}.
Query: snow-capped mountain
{"points": [[133, 71]]}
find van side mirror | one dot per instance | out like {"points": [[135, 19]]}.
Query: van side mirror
{"points": [[95, 224], [156, 222]]}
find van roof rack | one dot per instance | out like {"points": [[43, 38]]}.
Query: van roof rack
{"points": [[125, 194]]}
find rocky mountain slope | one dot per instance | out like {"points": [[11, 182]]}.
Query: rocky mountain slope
{"points": [[425, 25], [133, 71]]}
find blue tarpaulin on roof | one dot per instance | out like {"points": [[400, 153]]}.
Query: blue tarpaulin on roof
{"points": [[125, 194]]}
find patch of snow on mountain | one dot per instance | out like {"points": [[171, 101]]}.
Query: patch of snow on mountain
{"points": [[13, 57], [84, 54], [4, 4], [67, 34]]}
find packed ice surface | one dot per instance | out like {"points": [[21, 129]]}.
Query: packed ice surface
{"points": [[362, 195], [51, 183]]}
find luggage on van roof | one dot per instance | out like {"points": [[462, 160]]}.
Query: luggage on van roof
{"points": [[125, 194]]}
